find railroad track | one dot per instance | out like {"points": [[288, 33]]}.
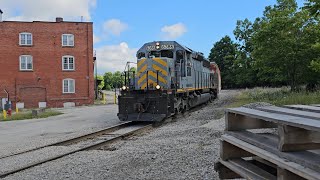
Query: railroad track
{"points": [[90, 141]]}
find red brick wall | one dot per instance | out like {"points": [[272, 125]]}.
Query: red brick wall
{"points": [[47, 52]]}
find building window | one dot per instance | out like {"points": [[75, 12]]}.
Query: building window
{"points": [[67, 40], [68, 86], [26, 63], [68, 63], [25, 39]]}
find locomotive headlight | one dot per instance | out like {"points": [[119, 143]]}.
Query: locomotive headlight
{"points": [[124, 88], [158, 86]]}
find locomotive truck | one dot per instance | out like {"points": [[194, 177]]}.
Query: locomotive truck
{"points": [[170, 79]]}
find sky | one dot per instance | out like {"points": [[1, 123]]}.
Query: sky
{"points": [[121, 27]]}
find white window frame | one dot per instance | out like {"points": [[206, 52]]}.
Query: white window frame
{"points": [[74, 86], [26, 63], [68, 56], [68, 40], [25, 43]]}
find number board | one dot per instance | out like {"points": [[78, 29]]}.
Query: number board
{"points": [[160, 47]]}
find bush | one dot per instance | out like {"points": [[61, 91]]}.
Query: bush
{"points": [[277, 96]]}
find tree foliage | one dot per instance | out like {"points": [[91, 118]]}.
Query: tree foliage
{"points": [[280, 48], [113, 80], [313, 6], [224, 53], [101, 84]]}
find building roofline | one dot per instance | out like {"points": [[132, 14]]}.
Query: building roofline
{"points": [[46, 22]]}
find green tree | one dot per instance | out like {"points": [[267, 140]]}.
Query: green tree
{"points": [[108, 80], [101, 85], [133, 69], [313, 6], [244, 66], [117, 79], [282, 45], [224, 54]]}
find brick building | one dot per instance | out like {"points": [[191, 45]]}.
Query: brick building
{"points": [[47, 62]]}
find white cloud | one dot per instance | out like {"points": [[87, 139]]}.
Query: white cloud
{"points": [[114, 57], [114, 27], [174, 31], [47, 10]]}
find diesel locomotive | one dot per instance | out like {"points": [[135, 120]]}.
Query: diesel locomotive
{"points": [[170, 79]]}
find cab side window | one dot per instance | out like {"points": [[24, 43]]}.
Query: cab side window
{"points": [[141, 55]]}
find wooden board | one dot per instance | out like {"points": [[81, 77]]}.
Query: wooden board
{"points": [[292, 112], [247, 170], [281, 162], [229, 151], [236, 122], [297, 139], [304, 107], [283, 174], [269, 143], [225, 172], [305, 123]]}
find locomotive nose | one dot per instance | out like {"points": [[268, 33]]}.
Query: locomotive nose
{"points": [[152, 72]]}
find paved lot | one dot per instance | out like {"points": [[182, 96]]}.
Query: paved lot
{"points": [[20, 135]]}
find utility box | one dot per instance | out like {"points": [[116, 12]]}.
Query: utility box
{"points": [[20, 105], [5, 104]]}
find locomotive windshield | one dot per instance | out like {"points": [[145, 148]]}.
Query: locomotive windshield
{"points": [[163, 53], [141, 55]]}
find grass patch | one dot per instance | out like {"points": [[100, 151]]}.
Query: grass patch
{"points": [[276, 96], [28, 115]]}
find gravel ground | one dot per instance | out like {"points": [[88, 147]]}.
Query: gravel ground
{"points": [[257, 104], [183, 149], [11, 163]]}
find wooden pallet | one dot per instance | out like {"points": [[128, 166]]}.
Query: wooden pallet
{"points": [[295, 133], [293, 152], [313, 108]]}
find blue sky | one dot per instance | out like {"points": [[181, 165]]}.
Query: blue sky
{"points": [[206, 21], [121, 27]]}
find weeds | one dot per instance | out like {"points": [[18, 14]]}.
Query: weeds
{"points": [[276, 96], [28, 115]]}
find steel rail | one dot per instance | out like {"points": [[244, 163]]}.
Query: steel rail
{"points": [[89, 147], [75, 139]]}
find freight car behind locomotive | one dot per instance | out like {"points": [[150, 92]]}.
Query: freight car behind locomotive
{"points": [[170, 79]]}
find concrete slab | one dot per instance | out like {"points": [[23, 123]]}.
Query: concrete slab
{"points": [[69, 104]]}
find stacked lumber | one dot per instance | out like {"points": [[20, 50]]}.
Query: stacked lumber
{"points": [[271, 143]]}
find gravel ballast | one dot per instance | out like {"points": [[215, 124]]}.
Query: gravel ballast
{"points": [[186, 148]]}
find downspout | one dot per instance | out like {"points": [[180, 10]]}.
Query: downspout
{"points": [[88, 61], [15, 90]]}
